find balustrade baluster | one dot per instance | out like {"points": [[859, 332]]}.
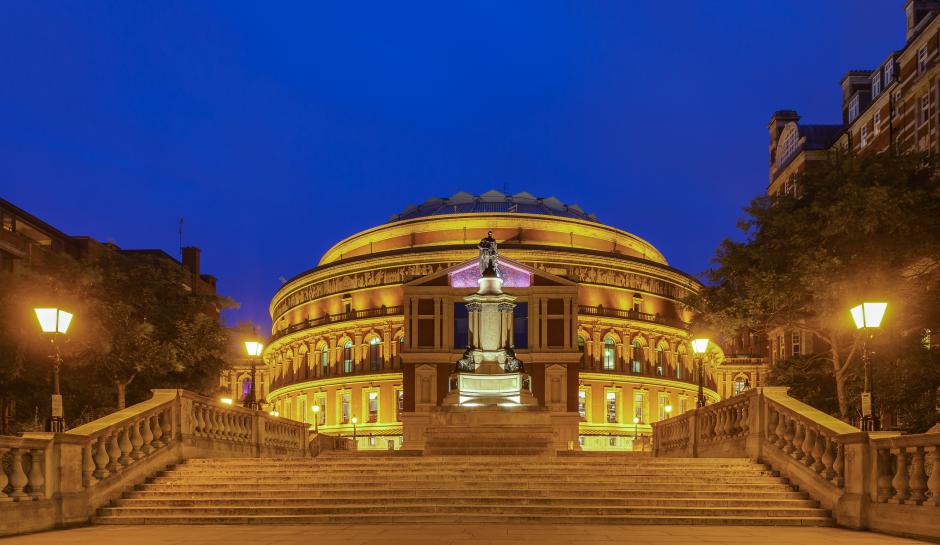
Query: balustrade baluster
{"points": [[157, 432], [883, 482], [789, 430], [101, 457], [744, 424], [781, 431], [37, 474], [772, 420], [798, 437], [18, 479], [114, 452], [88, 464], [918, 479], [126, 447], [147, 435], [819, 450], [807, 446], [828, 457], [900, 481], [137, 441], [200, 419], [933, 483], [4, 481]]}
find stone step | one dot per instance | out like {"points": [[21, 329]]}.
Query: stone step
{"points": [[328, 477], [458, 493], [308, 501], [469, 518], [521, 509], [396, 486], [444, 472]]}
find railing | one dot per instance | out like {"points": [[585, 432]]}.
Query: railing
{"points": [[631, 315], [876, 480], [55, 479], [340, 317]]}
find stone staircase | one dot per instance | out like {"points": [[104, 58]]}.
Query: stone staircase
{"points": [[591, 489], [489, 439]]}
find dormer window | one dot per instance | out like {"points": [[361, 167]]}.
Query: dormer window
{"points": [[922, 60], [876, 85], [889, 73], [853, 109]]}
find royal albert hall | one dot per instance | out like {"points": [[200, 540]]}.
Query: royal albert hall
{"points": [[373, 332]]}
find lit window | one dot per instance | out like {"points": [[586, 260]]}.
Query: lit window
{"points": [[375, 353], [680, 357], [663, 402], [926, 339], [582, 404], [610, 354], [796, 342], [637, 356], [682, 402], [325, 361], [581, 350], [922, 60], [637, 302], [639, 406], [740, 385], [781, 347], [612, 441], [373, 406], [321, 416], [344, 409], [401, 404], [347, 357], [612, 407], [371, 440], [661, 359], [853, 109], [876, 85]]}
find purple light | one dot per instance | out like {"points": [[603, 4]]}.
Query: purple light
{"points": [[513, 277]]}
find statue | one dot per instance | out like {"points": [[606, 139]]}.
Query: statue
{"points": [[489, 263]]}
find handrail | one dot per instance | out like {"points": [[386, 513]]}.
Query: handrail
{"points": [[630, 314], [338, 317]]}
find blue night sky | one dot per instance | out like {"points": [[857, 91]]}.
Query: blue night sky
{"points": [[276, 130]]}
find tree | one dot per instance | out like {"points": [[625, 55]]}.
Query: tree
{"points": [[858, 227]]}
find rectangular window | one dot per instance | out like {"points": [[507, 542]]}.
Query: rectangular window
{"points": [[373, 406], [663, 403], [924, 108], [321, 416], [612, 407], [897, 103], [401, 405], [639, 406], [344, 409], [582, 404], [520, 325], [302, 408], [682, 402], [889, 73], [877, 126], [781, 348], [853, 109], [371, 440], [796, 339], [461, 325], [876, 85], [922, 60], [864, 138]]}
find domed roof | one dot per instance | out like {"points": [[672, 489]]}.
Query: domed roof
{"points": [[493, 201]]}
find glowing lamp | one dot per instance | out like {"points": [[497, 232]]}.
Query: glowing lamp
{"points": [[636, 420], [315, 408], [354, 420], [699, 346], [253, 348], [868, 314], [226, 400], [274, 413], [668, 409], [53, 320]]}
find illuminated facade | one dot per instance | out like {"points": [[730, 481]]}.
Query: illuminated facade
{"points": [[597, 320]]}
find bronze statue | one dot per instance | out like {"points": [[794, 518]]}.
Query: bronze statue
{"points": [[489, 262]]}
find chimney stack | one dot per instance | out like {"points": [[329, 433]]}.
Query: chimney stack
{"points": [[191, 260], [916, 11]]}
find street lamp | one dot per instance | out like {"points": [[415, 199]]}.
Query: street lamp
{"points": [[699, 347], [254, 350], [668, 409], [55, 321], [867, 318], [316, 418], [354, 420], [636, 425]]}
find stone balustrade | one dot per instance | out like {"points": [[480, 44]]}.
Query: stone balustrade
{"points": [[877, 480], [52, 480]]}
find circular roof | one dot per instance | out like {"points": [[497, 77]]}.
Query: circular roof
{"points": [[493, 201]]}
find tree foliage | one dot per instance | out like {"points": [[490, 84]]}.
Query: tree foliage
{"points": [[857, 228]]}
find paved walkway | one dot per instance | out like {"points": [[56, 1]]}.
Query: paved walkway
{"points": [[458, 534]]}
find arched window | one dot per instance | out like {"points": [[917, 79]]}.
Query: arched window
{"points": [[581, 350], [740, 385], [610, 354], [680, 362], [325, 361], [661, 359], [637, 356], [375, 353], [347, 357]]}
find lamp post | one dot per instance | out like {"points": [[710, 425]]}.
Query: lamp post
{"points": [[254, 349], [699, 347], [54, 321], [867, 318], [354, 420], [668, 409], [316, 418]]}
